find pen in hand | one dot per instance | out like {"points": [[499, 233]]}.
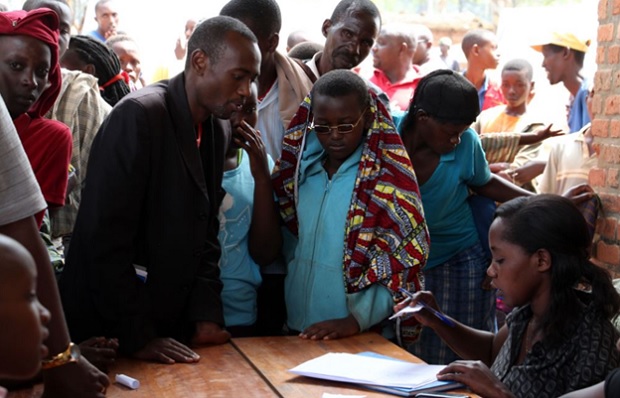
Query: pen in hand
{"points": [[438, 314]]}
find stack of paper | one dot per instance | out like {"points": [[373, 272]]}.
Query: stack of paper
{"points": [[377, 372]]}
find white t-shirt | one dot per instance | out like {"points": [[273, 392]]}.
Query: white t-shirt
{"points": [[20, 195]]}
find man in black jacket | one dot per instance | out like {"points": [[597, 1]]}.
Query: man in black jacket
{"points": [[151, 199]]}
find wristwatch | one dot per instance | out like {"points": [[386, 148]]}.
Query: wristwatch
{"points": [[70, 355]]}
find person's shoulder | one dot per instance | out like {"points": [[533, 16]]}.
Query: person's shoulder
{"points": [[301, 73], [470, 135], [153, 95], [51, 127], [77, 84]]}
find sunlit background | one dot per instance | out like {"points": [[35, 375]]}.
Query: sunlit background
{"points": [[157, 25]]}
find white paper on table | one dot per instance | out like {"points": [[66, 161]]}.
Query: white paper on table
{"points": [[368, 370], [407, 310], [329, 395]]}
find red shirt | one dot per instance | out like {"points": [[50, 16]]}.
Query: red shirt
{"points": [[48, 145], [400, 93], [491, 94]]}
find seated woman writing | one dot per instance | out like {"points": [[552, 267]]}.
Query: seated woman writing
{"points": [[350, 201], [559, 337]]}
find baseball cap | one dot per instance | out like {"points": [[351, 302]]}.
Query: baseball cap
{"points": [[563, 39], [447, 96]]}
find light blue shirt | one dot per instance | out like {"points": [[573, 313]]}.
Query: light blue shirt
{"points": [[314, 285], [578, 115], [240, 275], [95, 34]]}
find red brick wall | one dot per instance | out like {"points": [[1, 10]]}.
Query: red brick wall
{"points": [[605, 178]]}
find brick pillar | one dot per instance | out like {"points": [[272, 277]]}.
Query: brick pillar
{"points": [[605, 177]]}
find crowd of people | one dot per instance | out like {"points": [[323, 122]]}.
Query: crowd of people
{"points": [[261, 193]]}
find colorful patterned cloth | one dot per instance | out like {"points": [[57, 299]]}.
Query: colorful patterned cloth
{"points": [[386, 238]]}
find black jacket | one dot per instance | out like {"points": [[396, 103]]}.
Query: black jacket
{"points": [[150, 198]]}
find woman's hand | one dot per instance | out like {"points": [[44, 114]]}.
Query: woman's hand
{"points": [[423, 316], [478, 377], [249, 139]]}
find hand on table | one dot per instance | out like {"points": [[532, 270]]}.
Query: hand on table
{"points": [[477, 376], [75, 380], [100, 351], [331, 329], [167, 350], [209, 333]]}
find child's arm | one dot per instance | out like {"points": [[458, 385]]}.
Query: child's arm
{"points": [[539, 135], [265, 237]]}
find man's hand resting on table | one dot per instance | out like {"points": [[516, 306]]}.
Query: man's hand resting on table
{"points": [[331, 329], [167, 350], [209, 333]]}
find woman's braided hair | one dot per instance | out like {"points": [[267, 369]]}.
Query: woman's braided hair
{"points": [[106, 63]]}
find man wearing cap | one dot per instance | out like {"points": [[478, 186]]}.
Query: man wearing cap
{"points": [[563, 59]]}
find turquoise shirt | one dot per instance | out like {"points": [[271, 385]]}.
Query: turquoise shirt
{"points": [[314, 285], [444, 197], [240, 275]]}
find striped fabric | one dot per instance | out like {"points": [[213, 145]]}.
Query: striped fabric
{"points": [[500, 147], [458, 288], [20, 195], [386, 238]]}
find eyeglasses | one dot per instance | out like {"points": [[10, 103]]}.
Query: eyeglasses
{"points": [[345, 128]]}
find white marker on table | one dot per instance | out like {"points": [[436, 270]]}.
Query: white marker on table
{"points": [[127, 381]]}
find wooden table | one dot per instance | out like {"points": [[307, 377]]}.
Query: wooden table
{"points": [[273, 356], [246, 367], [222, 372]]}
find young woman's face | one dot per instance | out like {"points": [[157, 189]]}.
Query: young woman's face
{"points": [[25, 63], [442, 138], [23, 318], [334, 111], [513, 271]]}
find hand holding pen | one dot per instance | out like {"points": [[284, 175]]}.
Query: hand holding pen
{"points": [[402, 310]]}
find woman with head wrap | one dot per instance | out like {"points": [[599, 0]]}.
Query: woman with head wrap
{"points": [[350, 201], [29, 84]]}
